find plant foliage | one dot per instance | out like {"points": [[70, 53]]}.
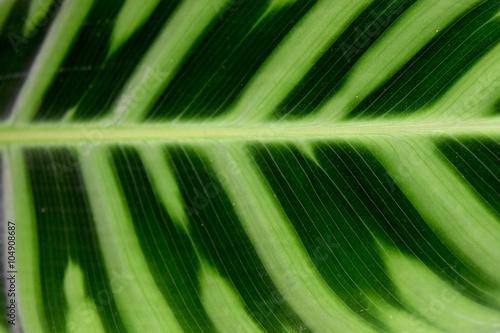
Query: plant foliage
{"points": [[251, 166]]}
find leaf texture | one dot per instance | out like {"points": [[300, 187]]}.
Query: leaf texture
{"points": [[251, 166]]}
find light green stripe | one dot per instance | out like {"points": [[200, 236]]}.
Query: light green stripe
{"points": [[161, 62], [164, 182], [132, 15], [473, 96], [291, 60], [61, 36], [5, 8], [437, 301], [82, 315], [219, 299], [140, 302], [19, 208], [278, 246], [399, 320], [447, 203], [409, 34], [224, 306], [37, 12]]}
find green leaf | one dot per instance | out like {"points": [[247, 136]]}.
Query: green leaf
{"points": [[250, 166]]}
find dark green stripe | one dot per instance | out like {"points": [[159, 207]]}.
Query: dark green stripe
{"points": [[83, 62], [110, 80], [66, 230], [228, 57], [342, 207], [171, 257], [86, 77], [434, 70], [478, 162], [330, 72], [17, 52], [221, 237]]}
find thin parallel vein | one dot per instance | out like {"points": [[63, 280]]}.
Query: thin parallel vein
{"points": [[331, 66], [435, 42], [213, 55], [152, 157], [331, 233], [240, 82], [167, 54], [310, 219], [366, 86], [480, 161], [447, 198], [453, 102], [437, 252], [459, 258], [344, 236], [19, 186], [482, 144], [374, 219], [91, 274], [213, 243], [47, 61], [414, 228], [492, 189], [264, 95], [375, 278], [364, 191], [156, 247], [60, 306], [464, 203], [418, 58], [184, 185], [274, 298], [317, 280], [53, 316], [121, 249], [455, 76]]}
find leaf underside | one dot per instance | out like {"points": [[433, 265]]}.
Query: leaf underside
{"points": [[251, 166]]}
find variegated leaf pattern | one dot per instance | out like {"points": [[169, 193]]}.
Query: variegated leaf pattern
{"points": [[251, 166]]}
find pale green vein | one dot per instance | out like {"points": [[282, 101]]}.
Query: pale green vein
{"points": [[132, 15], [36, 14], [140, 302], [161, 62], [62, 34], [39, 134], [278, 246], [291, 60], [437, 301], [415, 28], [82, 314], [20, 210], [445, 200], [5, 8]]}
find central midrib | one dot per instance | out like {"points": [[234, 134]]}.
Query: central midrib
{"points": [[65, 134]]}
